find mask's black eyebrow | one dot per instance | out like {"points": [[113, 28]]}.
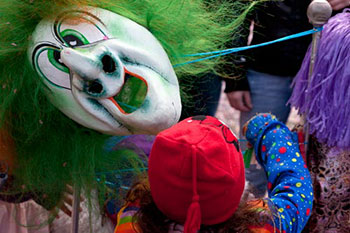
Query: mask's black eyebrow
{"points": [[65, 15], [39, 46]]}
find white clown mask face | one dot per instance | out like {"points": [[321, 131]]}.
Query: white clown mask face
{"points": [[106, 72]]}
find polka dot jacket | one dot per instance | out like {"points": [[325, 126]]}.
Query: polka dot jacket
{"points": [[289, 183]]}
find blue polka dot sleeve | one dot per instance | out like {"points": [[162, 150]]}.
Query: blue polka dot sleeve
{"points": [[289, 182]]}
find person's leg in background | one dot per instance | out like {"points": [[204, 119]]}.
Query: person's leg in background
{"points": [[204, 94], [269, 93]]}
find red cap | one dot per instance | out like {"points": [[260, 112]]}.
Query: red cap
{"points": [[196, 172]]}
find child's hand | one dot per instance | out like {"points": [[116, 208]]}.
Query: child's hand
{"points": [[244, 129], [254, 128]]}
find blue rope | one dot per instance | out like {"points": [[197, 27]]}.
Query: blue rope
{"points": [[121, 171], [218, 53], [107, 182], [205, 58]]}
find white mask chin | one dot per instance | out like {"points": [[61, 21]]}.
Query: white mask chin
{"points": [[106, 72]]}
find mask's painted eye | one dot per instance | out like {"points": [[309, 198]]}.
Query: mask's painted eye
{"points": [[55, 59], [73, 38], [48, 64]]}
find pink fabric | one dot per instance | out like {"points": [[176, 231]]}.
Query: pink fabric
{"points": [[15, 217]]}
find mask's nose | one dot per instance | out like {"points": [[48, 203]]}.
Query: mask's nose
{"points": [[108, 64], [81, 62], [94, 88], [95, 71]]}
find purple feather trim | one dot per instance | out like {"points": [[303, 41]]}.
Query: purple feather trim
{"points": [[327, 100]]}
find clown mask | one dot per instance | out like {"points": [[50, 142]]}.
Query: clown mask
{"points": [[106, 72]]}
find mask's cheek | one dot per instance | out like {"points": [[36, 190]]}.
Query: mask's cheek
{"points": [[66, 103]]}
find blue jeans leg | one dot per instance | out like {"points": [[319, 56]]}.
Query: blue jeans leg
{"points": [[204, 96], [269, 93]]}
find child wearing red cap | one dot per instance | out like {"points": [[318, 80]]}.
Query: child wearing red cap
{"points": [[196, 181]]}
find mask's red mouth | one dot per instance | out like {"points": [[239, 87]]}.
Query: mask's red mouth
{"points": [[132, 95]]}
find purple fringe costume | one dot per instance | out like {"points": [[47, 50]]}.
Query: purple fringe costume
{"points": [[325, 101]]}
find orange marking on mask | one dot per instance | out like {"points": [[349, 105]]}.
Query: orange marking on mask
{"points": [[115, 102]]}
